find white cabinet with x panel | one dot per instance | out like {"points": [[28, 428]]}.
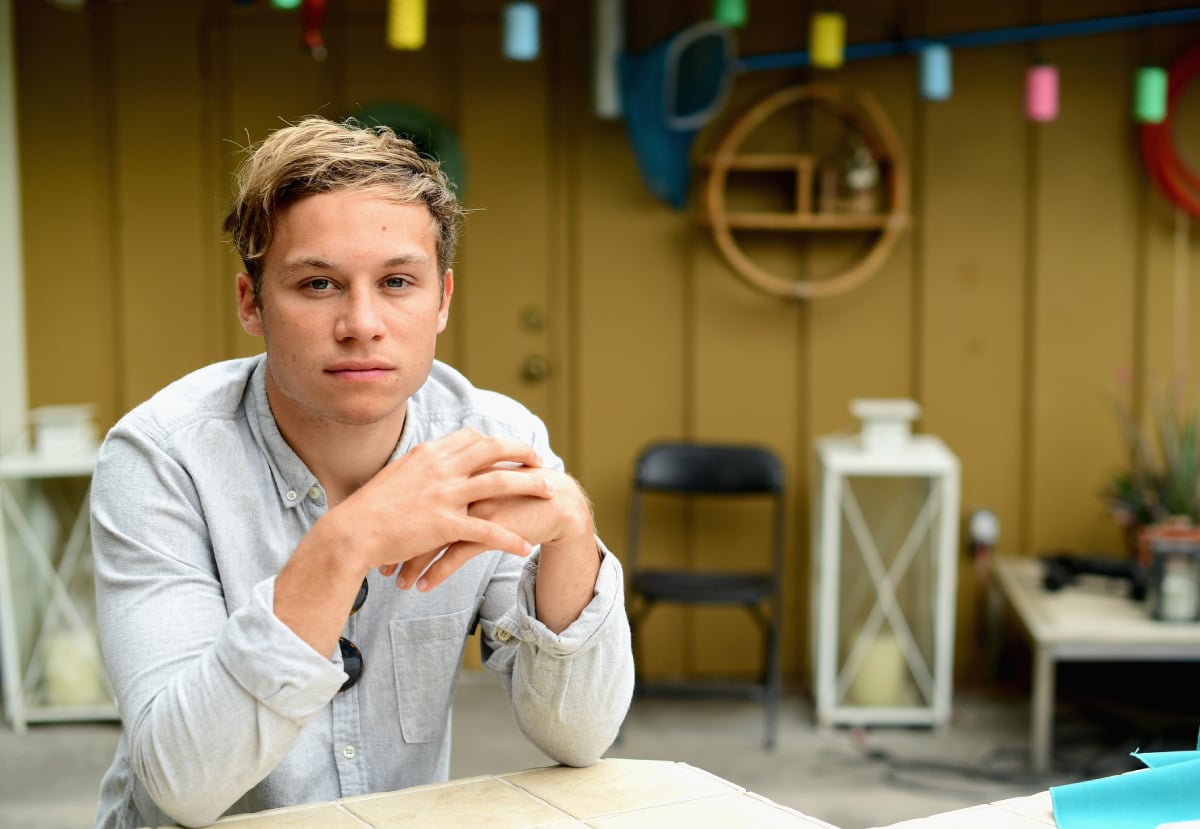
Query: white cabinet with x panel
{"points": [[885, 536], [49, 657]]}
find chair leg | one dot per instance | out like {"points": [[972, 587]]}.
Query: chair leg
{"points": [[774, 689]]}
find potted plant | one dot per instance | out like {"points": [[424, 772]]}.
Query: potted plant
{"points": [[1159, 493]]}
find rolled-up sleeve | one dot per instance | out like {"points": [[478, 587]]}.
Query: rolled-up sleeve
{"points": [[570, 690]]}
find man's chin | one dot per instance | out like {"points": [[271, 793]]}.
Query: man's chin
{"points": [[361, 417]]}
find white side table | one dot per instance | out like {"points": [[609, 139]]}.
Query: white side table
{"points": [[1085, 622], [62, 613], [885, 536]]}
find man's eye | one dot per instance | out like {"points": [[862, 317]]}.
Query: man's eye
{"points": [[396, 282], [318, 284]]}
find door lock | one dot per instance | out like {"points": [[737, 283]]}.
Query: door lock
{"points": [[535, 368]]}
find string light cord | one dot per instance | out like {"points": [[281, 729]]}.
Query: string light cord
{"points": [[986, 37]]}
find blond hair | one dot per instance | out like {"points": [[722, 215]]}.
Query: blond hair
{"points": [[317, 155]]}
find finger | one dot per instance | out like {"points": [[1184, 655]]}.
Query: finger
{"points": [[479, 535], [488, 450], [413, 567], [386, 570], [456, 556], [492, 536], [504, 483]]}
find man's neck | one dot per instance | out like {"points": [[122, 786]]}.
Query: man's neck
{"points": [[343, 457]]}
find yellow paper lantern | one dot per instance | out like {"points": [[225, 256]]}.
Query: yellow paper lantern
{"points": [[828, 40], [406, 24]]}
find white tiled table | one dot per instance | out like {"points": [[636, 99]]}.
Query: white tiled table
{"points": [[1033, 812], [612, 794], [1081, 623]]}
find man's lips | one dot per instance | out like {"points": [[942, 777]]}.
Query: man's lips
{"points": [[359, 370]]}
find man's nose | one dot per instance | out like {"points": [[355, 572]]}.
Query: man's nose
{"points": [[359, 317]]}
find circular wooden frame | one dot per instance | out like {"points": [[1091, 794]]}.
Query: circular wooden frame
{"points": [[864, 114]]}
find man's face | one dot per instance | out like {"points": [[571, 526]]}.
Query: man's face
{"points": [[351, 309]]}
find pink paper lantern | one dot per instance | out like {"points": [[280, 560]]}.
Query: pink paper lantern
{"points": [[1041, 93]]}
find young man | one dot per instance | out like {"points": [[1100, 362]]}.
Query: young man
{"points": [[291, 549]]}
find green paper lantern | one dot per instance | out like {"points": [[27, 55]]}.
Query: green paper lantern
{"points": [[285, 5], [1150, 95], [731, 13]]}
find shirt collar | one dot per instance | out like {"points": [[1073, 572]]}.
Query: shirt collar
{"points": [[293, 480]]}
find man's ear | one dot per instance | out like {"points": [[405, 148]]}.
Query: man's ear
{"points": [[248, 311], [447, 292]]}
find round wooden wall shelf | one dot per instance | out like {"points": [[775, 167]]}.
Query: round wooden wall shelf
{"points": [[860, 114]]}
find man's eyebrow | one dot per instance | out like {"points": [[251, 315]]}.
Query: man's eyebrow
{"points": [[415, 258], [307, 263], [315, 263]]}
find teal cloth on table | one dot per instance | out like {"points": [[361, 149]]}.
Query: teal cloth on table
{"points": [[1167, 790]]}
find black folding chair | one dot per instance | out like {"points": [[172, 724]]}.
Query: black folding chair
{"points": [[698, 472]]}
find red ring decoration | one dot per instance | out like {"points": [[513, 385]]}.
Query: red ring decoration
{"points": [[1167, 170]]}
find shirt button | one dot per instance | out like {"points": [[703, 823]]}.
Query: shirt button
{"points": [[348, 752], [314, 492], [502, 635], [291, 495]]}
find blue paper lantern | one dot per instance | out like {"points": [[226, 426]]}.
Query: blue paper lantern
{"points": [[521, 31], [936, 73]]}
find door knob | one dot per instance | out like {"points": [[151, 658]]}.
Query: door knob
{"points": [[533, 318], [535, 368]]}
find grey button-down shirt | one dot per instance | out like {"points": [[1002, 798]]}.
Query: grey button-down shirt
{"points": [[197, 502]]}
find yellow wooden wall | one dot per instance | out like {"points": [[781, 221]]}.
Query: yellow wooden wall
{"points": [[1040, 270]]}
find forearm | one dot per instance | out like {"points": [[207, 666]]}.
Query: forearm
{"points": [[315, 590], [566, 581]]}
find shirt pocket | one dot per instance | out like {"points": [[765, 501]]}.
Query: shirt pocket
{"points": [[426, 656]]}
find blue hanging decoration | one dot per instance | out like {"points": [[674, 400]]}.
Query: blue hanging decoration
{"points": [[936, 72], [668, 93], [521, 31]]}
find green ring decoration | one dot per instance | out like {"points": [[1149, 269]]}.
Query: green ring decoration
{"points": [[432, 137]]}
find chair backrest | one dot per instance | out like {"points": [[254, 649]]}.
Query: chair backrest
{"points": [[717, 469]]}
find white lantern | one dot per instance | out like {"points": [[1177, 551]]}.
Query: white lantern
{"points": [[885, 537]]}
